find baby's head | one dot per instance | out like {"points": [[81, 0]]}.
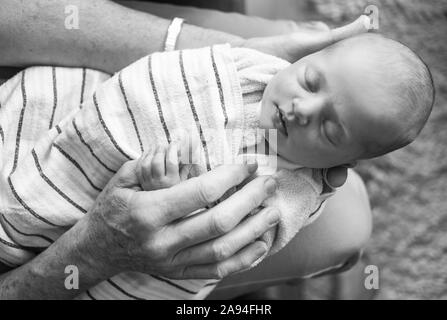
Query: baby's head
{"points": [[359, 98]]}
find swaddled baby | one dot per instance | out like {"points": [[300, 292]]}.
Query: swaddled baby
{"points": [[360, 98], [357, 99]]}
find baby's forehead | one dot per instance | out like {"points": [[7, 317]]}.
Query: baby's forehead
{"points": [[386, 56]]}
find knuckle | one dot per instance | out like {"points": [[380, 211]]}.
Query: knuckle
{"points": [[221, 251], [218, 224], [219, 272], [207, 193], [184, 237], [157, 250], [238, 173], [136, 214], [255, 199]]}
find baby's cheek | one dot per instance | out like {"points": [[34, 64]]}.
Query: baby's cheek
{"points": [[276, 88]]}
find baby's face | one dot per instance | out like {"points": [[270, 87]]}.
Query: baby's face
{"points": [[322, 107]]}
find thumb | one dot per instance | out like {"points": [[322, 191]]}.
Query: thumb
{"points": [[359, 26], [310, 42], [127, 177]]}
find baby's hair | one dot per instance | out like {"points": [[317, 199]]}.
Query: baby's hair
{"points": [[408, 80]]}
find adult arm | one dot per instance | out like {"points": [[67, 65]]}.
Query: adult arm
{"points": [[245, 26], [132, 230], [111, 36]]}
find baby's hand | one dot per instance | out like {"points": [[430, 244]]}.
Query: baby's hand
{"points": [[159, 169]]}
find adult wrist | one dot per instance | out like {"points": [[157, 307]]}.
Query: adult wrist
{"points": [[87, 250]]}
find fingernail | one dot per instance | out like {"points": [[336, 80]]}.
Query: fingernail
{"points": [[270, 185], [252, 167], [325, 178], [261, 249], [273, 217]]}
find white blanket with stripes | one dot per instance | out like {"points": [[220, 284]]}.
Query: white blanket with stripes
{"points": [[65, 131]]}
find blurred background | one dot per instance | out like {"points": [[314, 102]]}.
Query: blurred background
{"points": [[408, 188]]}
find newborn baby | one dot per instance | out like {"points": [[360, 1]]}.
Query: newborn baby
{"points": [[358, 99], [65, 132]]}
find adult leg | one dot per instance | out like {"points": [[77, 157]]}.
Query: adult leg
{"points": [[332, 243]]}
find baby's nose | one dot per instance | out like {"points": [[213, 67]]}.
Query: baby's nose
{"points": [[301, 117]]}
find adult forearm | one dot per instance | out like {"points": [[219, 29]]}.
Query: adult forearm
{"points": [[230, 22], [44, 276], [110, 36]]}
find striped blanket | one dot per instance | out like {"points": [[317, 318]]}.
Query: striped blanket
{"points": [[65, 132]]}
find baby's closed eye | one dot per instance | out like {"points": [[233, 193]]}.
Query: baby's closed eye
{"points": [[311, 79]]}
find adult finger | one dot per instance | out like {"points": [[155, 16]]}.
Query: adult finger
{"points": [[199, 192], [225, 216], [245, 259], [359, 26], [126, 177], [336, 177], [315, 41], [224, 247]]}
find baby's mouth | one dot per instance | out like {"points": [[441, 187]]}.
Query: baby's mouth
{"points": [[280, 122]]}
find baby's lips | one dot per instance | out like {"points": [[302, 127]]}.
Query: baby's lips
{"points": [[277, 123]]}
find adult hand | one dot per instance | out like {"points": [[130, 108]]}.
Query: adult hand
{"points": [[151, 232], [296, 45]]}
